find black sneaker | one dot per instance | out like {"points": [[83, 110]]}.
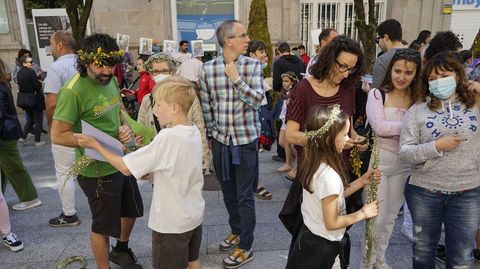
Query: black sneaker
{"points": [[476, 255], [278, 159], [11, 241], [124, 259], [441, 254], [63, 220]]}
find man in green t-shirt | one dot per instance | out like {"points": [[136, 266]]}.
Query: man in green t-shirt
{"points": [[93, 96]]}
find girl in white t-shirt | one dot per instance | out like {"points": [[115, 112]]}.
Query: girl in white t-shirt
{"points": [[324, 190]]}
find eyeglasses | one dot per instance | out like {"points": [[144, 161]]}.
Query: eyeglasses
{"points": [[163, 71], [242, 36], [345, 68], [408, 54], [377, 39]]}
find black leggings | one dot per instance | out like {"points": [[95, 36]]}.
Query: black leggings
{"points": [[311, 251], [34, 121]]}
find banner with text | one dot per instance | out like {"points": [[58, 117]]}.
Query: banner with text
{"points": [[46, 22]]}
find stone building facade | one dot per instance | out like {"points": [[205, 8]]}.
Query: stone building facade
{"points": [[286, 19]]}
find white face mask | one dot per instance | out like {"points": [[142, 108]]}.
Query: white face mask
{"points": [[159, 77]]}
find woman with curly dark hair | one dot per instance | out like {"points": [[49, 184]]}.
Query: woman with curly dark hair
{"points": [[440, 139], [442, 42], [333, 81]]}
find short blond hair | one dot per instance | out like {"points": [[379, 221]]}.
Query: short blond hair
{"points": [[175, 89]]}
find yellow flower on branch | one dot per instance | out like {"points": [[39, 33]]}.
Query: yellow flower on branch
{"points": [[372, 194]]}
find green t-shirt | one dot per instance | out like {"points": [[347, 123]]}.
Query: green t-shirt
{"points": [[84, 99]]}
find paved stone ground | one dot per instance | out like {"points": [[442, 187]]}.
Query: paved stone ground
{"points": [[45, 246]]}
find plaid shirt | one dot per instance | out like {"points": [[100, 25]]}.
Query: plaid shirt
{"points": [[230, 108]]}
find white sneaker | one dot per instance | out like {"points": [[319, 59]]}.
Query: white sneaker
{"points": [[11, 241], [40, 143], [408, 233], [22, 141], [26, 205]]}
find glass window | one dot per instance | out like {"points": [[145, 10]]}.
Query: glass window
{"points": [[3, 18]]}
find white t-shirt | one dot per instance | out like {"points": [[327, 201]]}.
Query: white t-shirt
{"points": [[182, 57], [325, 182], [175, 158]]}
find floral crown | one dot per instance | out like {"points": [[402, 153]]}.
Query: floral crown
{"points": [[101, 58], [159, 58], [332, 117]]}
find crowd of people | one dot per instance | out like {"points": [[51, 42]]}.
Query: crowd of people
{"points": [[216, 117]]}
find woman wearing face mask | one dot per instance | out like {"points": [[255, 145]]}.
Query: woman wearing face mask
{"points": [[161, 66], [256, 50], [440, 138], [386, 108]]}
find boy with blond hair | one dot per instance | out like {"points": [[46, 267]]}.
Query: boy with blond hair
{"points": [[175, 158]]}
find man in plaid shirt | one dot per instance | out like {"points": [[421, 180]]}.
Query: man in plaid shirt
{"points": [[231, 92]]}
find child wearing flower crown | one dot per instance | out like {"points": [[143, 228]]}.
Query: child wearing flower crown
{"points": [[324, 190]]}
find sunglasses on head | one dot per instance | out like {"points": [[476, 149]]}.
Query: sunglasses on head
{"points": [[408, 54]]}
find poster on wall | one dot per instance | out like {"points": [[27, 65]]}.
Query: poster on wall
{"points": [[46, 22], [145, 47], [123, 41]]}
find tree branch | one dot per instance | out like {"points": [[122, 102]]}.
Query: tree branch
{"points": [[372, 20]]}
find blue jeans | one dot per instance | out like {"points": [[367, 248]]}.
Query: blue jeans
{"points": [[238, 191], [460, 213]]}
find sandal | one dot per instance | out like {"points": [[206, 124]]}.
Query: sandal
{"points": [[284, 168], [263, 194]]}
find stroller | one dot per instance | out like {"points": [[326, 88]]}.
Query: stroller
{"points": [[267, 135]]}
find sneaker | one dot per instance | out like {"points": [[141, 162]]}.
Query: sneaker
{"points": [[476, 255], [230, 242], [39, 143], [278, 159], [408, 233], [237, 258], [26, 205], [441, 254], [63, 220], [11, 241], [22, 141], [267, 147], [124, 259]]}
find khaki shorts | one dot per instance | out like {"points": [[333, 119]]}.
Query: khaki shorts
{"points": [[175, 251]]}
